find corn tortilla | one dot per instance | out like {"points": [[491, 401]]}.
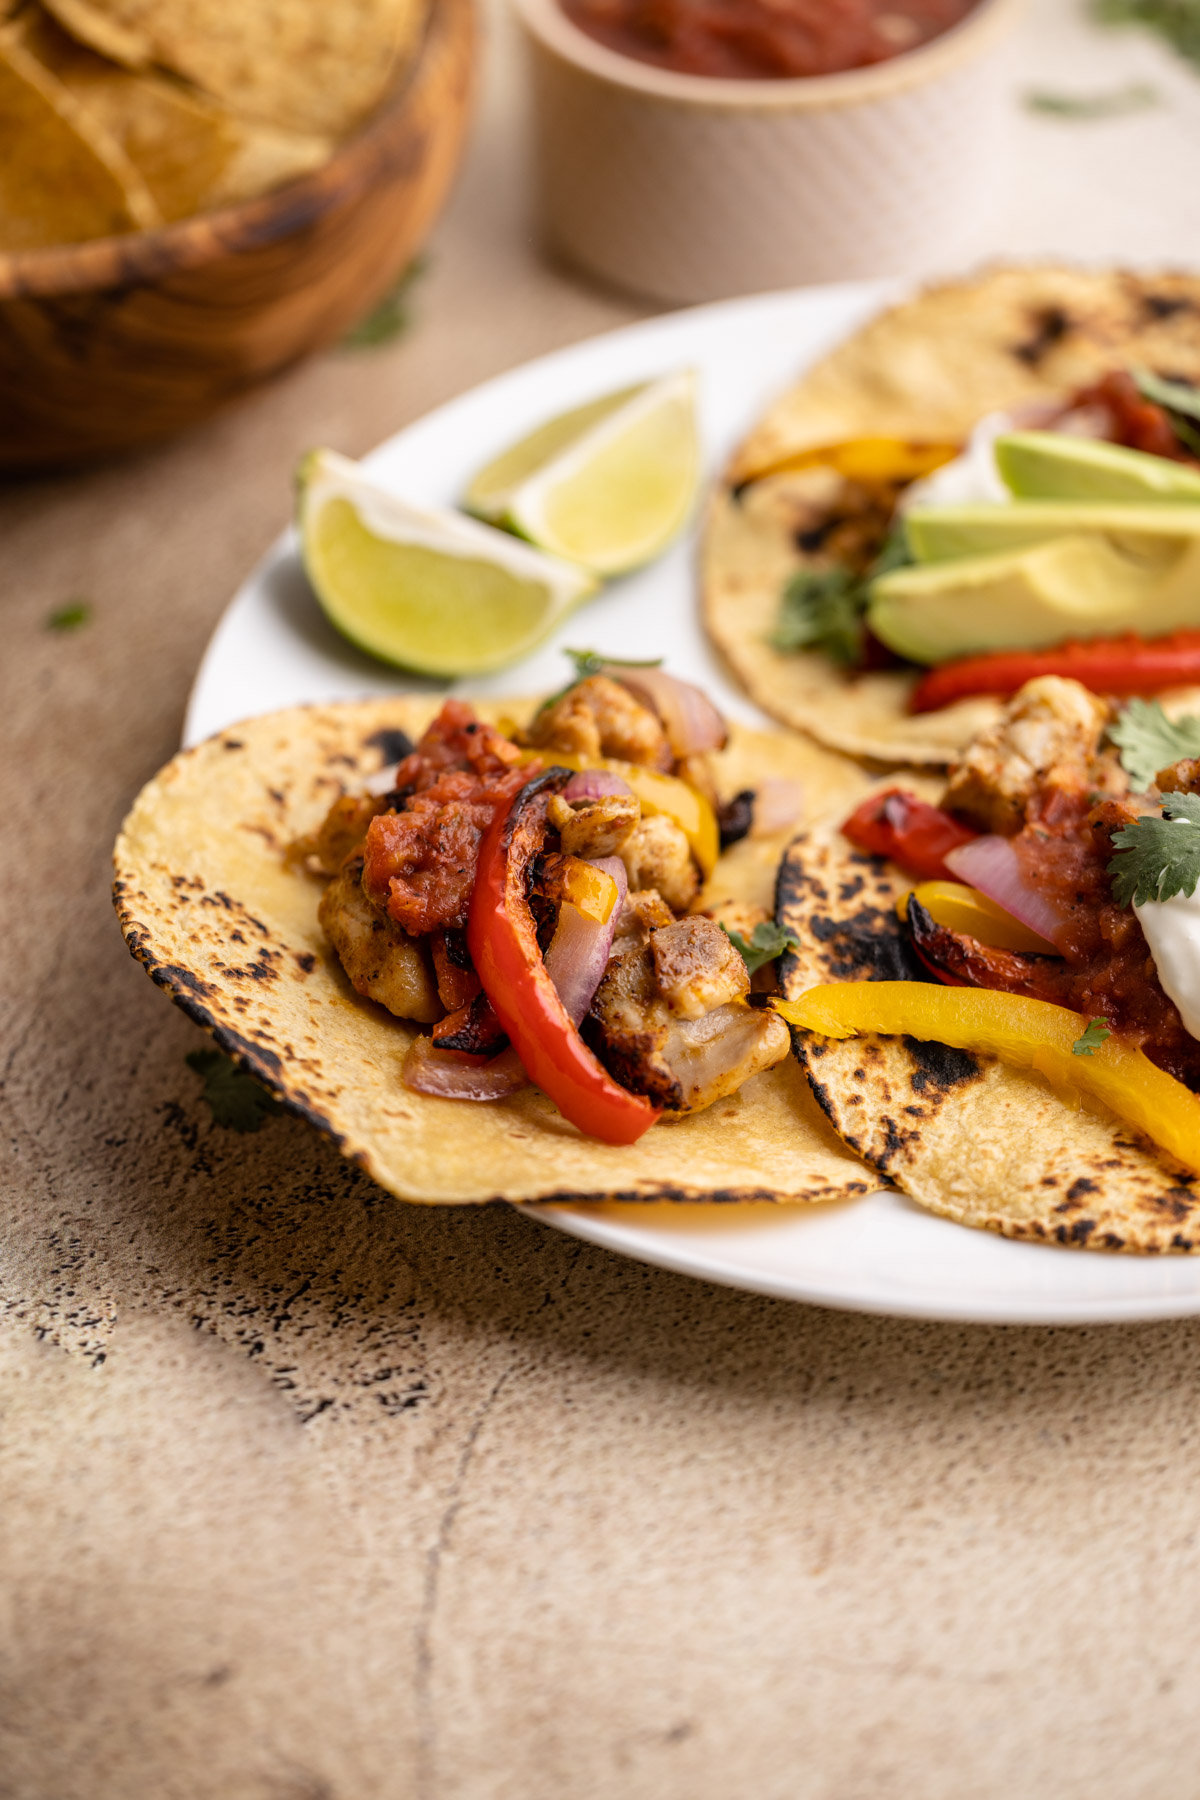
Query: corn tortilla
{"points": [[965, 1136], [925, 371], [212, 908]]}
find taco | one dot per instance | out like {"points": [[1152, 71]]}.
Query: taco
{"points": [[394, 913], [808, 528], [996, 987]]}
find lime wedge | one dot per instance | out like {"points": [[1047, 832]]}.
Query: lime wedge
{"points": [[424, 587], [492, 490], [608, 485]]}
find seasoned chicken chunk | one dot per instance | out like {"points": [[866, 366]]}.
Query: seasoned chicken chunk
{"points": [[591, 828], [657, 855], [696, 967], [1049, 736], [643, 912], [342, 830], [682, 1063], [379, 957], [598, 717]]}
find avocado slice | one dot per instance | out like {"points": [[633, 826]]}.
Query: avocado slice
{"points": [[1053, 465], [1150, 535], [1078, 586]]}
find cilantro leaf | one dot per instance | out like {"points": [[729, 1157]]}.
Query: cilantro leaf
{"points": [[1178, 399], [391, 317], [1178, 21], [1107, 105], [1158, 858], [234, 1098], [767, 941], [823, 609], [1093, 1037], [69, 617], [1149, 741]]}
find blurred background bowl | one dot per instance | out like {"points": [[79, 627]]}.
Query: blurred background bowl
{"points": [[120, 341], [691, 187]]}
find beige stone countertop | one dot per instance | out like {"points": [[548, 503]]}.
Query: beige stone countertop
{"points": [[309, 1495]]}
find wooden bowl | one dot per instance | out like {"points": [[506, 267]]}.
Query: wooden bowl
{"points": [[119, 341]]}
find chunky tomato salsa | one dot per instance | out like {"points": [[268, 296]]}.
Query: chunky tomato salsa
{"points": [[764, 38]]}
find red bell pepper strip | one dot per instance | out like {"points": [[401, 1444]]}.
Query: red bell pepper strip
{"points": [[1120, 665], [908, 831], [502, 939]]}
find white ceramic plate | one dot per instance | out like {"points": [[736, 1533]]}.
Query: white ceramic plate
{"points": [[273, 648]]}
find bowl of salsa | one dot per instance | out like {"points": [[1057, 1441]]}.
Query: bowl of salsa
{"points": [[692, 150]]}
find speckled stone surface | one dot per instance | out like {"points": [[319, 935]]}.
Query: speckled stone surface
{"points": [[305, 1495]]}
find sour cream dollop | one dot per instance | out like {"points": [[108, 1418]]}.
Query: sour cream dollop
{"points": [[1172, 929], [973, 476]]}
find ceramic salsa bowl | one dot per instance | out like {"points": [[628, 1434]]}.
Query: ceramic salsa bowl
{"points": [[117, 342], [692, 187]]}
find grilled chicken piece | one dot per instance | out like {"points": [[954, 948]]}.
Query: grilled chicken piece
{"points": [[644, 911], [683, 1060], [696, 967], [1179, 778], [657, 855], [342, 830], [590, 828], [598, 717], [1049, 737], [379, 957]]}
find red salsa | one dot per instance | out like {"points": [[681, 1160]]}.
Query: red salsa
{"points": [[764, 39]]}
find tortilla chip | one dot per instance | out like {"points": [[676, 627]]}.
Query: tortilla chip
{"points": [[61, 180], [209, 904], [964, 1135], [925, 372], [300, 65], [190, 155]]}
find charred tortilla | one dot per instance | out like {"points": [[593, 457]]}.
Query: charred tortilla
{"points": [[923, 372], [965, 1136], [211, 905]]}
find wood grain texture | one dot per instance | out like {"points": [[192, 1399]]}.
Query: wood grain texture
{"points": [[108, 345]]}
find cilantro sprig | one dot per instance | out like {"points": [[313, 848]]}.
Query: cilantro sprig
{"points": [[1149, 741], [1177, 21], [1092, 1038], [824, 609], [767, 941], [1158, 857]]}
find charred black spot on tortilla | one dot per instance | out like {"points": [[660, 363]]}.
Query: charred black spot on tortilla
{"points": [[1052, 1180], [821, 1096], [278, 796], [1179, 1242], [1084, 1185], [232, 744], [1177, 1203], [171, 975], [860, 1074], [1048, 326], [868, 944], [1165, 306], [894, 1141], [1112, 1241], [306, 960], [813, 538], [939, 1065], [1077, 1233], [819, 1047], [849, 889], [735, 817], [392, 744], [916, 1112]]}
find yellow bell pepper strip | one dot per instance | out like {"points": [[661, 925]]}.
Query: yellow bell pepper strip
{"points": [[664, 794], [870, 460], [1028, 1034], [964, 909], [592, 891]]}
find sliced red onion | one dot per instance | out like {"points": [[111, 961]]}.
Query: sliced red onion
{"points": [[778, 803], [594, 784], [991, 864], [428, 1070], [579, 949], [689, 718]]}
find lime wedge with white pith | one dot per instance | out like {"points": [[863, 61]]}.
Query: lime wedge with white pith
{"points": [[422, 586], [607, 486]]}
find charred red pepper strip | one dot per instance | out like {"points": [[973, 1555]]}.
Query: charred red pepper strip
{"points": [[1120, 665], [908, 831], [502, 938]]}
